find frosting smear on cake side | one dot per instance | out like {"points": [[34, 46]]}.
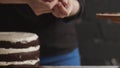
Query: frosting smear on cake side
{"points": [[19, 49]]}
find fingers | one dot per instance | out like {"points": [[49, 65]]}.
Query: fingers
{"points": [[38, 7], [39, 12], [65, 2], [49, 3], [59, 11], [62, 10]]}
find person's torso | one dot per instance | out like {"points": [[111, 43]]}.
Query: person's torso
{"points": [[56, 36]]}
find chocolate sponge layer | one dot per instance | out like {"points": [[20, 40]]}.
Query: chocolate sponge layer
{"points": [[20, 56], [7, 44]]}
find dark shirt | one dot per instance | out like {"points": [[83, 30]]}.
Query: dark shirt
{"points": [[57, 36]]}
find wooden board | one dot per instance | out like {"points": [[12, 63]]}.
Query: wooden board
{"points": [[79, 67], [112, 16]]}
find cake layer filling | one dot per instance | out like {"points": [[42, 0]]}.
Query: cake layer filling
{"points": [[22, 50], [14, 37], [27, 62], [8, 44], [22, 66], [20, 56]]}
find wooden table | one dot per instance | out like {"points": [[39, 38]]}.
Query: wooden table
{"points": [[115, 17], [79, 67]]}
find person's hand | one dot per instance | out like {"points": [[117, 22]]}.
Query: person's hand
{"points": [[66, 8], [63, 8], [42, 6]]}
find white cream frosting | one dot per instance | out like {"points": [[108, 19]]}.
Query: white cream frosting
{"points": [[14, 37], [27, 62], [22, 50]]}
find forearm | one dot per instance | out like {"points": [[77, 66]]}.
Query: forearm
{"points": [[13, 1], [76, 7]]}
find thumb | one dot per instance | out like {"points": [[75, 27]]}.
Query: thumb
{"points": [[50, 3]]}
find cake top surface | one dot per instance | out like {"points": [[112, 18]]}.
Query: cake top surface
{"points": [[14, 37]]}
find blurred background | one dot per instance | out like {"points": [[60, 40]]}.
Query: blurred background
{"points": [[99, 38]]}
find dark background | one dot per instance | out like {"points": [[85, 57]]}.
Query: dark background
{"points": [[99, 39]]}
